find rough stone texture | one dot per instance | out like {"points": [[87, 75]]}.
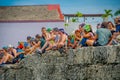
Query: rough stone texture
{"points": [[90, 63], [28, 13]]}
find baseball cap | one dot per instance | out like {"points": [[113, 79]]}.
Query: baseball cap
{"points": [[25, 44], [49, 29], [5, 47], [87, 28], [29, 37], [62, 30]]}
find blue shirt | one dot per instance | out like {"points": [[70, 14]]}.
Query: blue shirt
{"points": [[103, 36], [117, 27]]}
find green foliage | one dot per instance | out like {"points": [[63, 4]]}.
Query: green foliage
{"points": [[79, 14], [74, 19], [107, 14], [66, 24], [117, 12]]}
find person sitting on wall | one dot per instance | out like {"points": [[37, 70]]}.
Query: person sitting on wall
{"points": [[71, 42], [28, 40], [52, 40], [13, 51], [103, 35], [111, 27], [17, 55], [49, 41], [7, 58], [29, 46], [114, 40], [45, 36], [78, 32], [117, 22], [63, 38], [77, 35], [33, 47], [1, 54], [37, 40], [88, 36], [63, 41]]}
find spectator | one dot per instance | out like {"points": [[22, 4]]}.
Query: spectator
{"points": [[7, 58], [88, 36], [111, 27], [102, 35], [71, 42], [98, 25], [117, 22], [63, 38]]}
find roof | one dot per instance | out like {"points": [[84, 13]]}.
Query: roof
{"points": [[31, 13], [84, 15]]}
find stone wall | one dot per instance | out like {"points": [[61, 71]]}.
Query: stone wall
{"points": [[28, 13], [90, 63]]}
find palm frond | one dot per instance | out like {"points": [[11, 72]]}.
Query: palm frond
{"points": [[66, 24], [74, 19], [110, 15], [104, 16], [108, 11], [117, 12], [79, 14]]}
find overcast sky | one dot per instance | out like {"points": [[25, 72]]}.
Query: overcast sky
{"points": [[70, 6]]}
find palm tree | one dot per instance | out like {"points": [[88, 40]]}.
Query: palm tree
{"points": [[107, 14], [78, 14], [117, 12]]}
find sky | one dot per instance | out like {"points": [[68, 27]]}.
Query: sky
{"points": [[70, 6]]}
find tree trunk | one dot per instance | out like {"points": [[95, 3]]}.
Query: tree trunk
{"points": [[105, 19]]}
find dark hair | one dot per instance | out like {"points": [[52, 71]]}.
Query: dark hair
{"points": [[104, 25], [111, 24], [32, 40], [37, 36], [43, 28], [55, 29], [29, 37], [82, 25], [119, 20]]}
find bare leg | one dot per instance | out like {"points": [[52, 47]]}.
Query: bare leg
{"points": [[60, 45], [45, 45], [113, 38], [90, 42], [6, 59]]}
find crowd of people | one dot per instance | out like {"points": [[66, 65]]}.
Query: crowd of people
{"points": [[57, 39]]}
